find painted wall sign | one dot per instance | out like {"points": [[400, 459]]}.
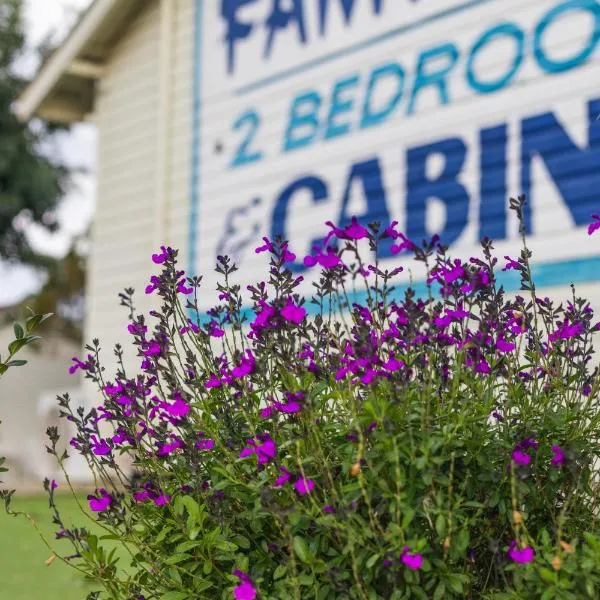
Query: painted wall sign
{"points": [[429, 112]]}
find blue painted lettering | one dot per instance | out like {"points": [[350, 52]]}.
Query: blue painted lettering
{"points": [[551, 65], [280, 19], [236, 30], [371, 116], [347, 8], [340, 106], [304, 115], [446, 187], [503, 30], [437, 78], [574, 170], [492, 182]]}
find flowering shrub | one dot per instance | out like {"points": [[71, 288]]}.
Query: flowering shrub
{"points": [[383, 446]]}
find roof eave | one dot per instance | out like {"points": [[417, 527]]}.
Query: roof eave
{"points": [[66, 61]]}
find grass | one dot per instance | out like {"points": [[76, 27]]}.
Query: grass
{"points": [[23, 572]]}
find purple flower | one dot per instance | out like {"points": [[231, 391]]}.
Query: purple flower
{"points": [[327, 261], [179, 408], [162, 499], [205, 443], [504, 346], [215, 330], [355, 231], [594, 225], [141, 495], [169, 448], [101, 502], [511, 264], [154, 283], [152, 348], [293, 313], [265, 448], [520, 555], [283, 478], [328, 509], [78, 365], [245, 590], [182, 289], [520, 457], [99, 447], [559, 458], [566, 331], [53, 484], [304, 486], [246, 366], [413, 560], [213, 382], [159, 259]]}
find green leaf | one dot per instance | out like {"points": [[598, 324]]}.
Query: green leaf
{"points": [[371, 562], [176, 558], [19, 333], [175, 596], [439, 591], [279, 572], [226, 546], [301, 549], [16, 363]]}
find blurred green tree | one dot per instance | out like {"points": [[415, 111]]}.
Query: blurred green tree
{"points": [[32, 183]]}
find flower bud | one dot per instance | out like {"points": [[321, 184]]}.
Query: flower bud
{"points": [[356, 469], [556, 563]]}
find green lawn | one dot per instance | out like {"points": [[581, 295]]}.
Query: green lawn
{"points": [[23, 572]]}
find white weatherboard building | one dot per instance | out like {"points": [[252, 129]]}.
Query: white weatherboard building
{"points": [[220, 121]]}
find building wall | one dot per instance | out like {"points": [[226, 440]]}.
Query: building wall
{"points": [[131, 169]]}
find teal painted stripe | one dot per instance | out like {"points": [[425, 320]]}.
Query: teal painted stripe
{"points": [[545, 275], [378, 39], [196, 123]]}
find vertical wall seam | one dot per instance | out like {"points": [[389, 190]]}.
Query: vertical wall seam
{"points": [[196, 122]]}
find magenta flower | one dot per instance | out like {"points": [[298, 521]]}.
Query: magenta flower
{"points": [[265, 448], [283, 478], [504, 346], [293, 313], [520, 457], [213, 382], [559, 458], [159, 259], [392, 364], [179, 408], [152, 348], [154, 283], [215, 330], [511, 264], [566, 331], [304, 486], [162, 499], [141, 495], [327, 261], [205, 443], [99, 447], [101, 502], [182, 289], [170, 447], [406, 244], [79, 365], [355, 231], [412, 560], [246, 366], [594, 225], [520, 555], [245, 590]]}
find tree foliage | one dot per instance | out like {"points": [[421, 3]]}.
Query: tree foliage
{"points": [[31, 184]]}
